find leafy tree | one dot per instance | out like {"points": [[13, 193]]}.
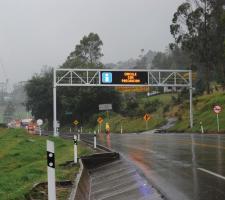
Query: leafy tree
{"points": [[197, 29], [88, 51], [81, 101], [171, 59], [39, 94]]}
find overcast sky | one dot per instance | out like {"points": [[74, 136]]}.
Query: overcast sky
{"points": [[34, 33]]}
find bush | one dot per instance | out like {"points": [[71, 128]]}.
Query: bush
{"points": [[152, 106], [166, 108]]}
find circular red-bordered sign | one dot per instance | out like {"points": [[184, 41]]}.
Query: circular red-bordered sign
{"points": [[217, 109]]}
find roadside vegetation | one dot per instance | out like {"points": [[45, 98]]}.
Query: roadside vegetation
{"points": [[131, 118], [203, 112], [171, 106], [23, 162]]}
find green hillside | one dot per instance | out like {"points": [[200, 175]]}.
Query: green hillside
{"points": [[202, 109], [136, 123], [203, 112]]}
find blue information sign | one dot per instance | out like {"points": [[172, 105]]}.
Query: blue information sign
{"points": [[106, 77]]}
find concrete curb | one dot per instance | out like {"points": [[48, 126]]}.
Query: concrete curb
{"points": [[76, 181]]}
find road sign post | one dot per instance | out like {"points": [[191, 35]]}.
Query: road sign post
{"points": [[76, 122], [217, 109], [100, 121], [218, 123], [147, 117], [51, 170]]}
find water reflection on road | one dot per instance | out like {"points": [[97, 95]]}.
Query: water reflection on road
{"points": [[173, 162]]}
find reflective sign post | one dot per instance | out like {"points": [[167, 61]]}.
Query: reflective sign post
{"points": [[51, 170], [202, 129], [95, 140], [39, 123], [75, 149]]}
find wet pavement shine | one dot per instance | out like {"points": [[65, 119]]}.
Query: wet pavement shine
{"points": [[119, 180], [181, 166]]}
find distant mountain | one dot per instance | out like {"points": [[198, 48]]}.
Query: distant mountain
{"points": [[143, 62]]}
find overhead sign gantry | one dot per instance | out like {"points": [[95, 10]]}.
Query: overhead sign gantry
{"points": [[121, 77]]}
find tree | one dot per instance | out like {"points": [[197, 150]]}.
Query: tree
{"points": [[196, 29], [172, 59], [88, 51], [39, 94], [81, 101]]}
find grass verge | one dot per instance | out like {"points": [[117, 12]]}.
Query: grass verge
{"points": [[23, 162]]}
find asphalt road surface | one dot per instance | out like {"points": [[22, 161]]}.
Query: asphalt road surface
{"points": [[182, 166]]}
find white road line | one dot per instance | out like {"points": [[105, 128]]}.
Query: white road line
{"points": [[212, 173]]}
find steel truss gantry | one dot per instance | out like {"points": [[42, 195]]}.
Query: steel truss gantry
{"points": [[92, 78]]}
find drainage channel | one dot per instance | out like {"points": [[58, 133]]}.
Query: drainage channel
{"points": [[107, 176]]}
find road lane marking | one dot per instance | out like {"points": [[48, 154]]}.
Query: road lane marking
{"points": [[201, 144], [212, 173]]}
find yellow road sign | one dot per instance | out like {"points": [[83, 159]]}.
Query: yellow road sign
{"points": [[76, 122], [100, 120], [147, 117]]}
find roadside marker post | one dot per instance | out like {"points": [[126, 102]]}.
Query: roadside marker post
{"points": [[57, 128], [51, 170], [202, 129], [94, 139], [78, 136], [39, 123], [75, 148], [121, 129]]}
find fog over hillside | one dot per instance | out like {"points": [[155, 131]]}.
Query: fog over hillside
{"points": [[143, 61]]}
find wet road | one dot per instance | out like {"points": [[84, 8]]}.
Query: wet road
{"points": [[182, 166]]}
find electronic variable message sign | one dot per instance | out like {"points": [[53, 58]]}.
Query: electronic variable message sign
{"points": [[124, 77]]}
